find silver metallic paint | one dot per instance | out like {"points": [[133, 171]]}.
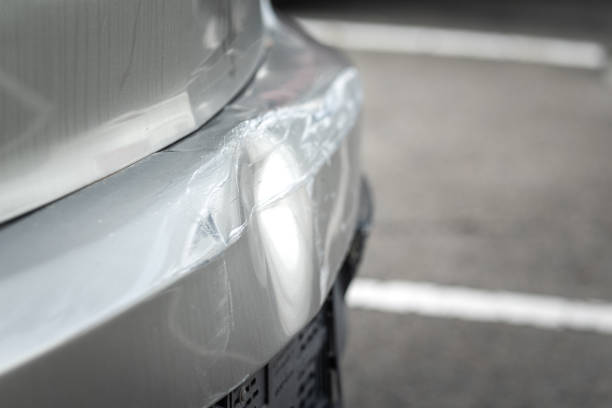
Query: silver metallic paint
{"points": [[167, 283], [89, 87]]}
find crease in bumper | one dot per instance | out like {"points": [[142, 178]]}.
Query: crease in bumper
{"points": [[170, 281]]}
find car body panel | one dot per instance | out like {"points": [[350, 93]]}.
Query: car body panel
{"points": [[170, 281], [89, 87]]}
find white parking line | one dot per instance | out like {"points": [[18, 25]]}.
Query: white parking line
{"points": [[427, 299], [457, 43]]}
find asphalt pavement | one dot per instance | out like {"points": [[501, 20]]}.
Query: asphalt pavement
{"points": [[495, 176]]}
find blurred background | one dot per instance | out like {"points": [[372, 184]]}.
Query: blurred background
{"points": [[487, 140]]}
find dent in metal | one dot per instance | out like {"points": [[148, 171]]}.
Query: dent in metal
{"points": [[89, 87], [170, 281]]}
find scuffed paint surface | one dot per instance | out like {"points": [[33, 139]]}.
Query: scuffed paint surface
{"points": [[188, 270]]}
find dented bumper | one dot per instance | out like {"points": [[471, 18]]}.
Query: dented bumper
{"points": [[171, 281]]}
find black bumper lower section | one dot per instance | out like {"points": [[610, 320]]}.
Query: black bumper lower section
{"points": [[306, 373]]}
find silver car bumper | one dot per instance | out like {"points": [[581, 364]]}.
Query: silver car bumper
{"points": [[169, 282]]}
